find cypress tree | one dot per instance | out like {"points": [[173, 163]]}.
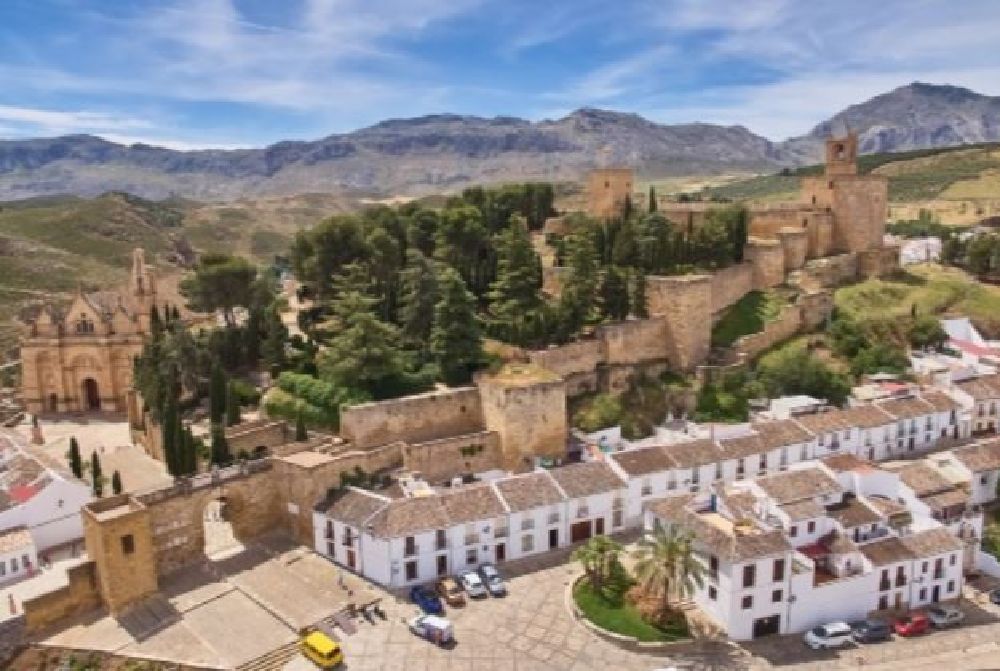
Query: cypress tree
{"points": [[220, 448], [217, 395], [189, 456], [155, 324], [75, 460], [97, 478], [116, 483], [614, 294], [300, 428], [638, 301], [168, 434], [652, 198], [176, 314], [232, 405], [456, 342]]}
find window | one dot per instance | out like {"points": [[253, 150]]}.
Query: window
{"points": [[440, 539], [411, 571], [883, 602], [712, 592], [25, 562], [749, 575], [747, 602], [13, 565], [776, 596], [647, 487], [527, 523], [617, 518], [713, 567], [3, 568], [951, 586], [471, 557], [528, 543], [793, 531], [409, 546], [811, 527], [952, 560], [983, 479], [128, 544], [779, 570], [900, 576], [923, 567]]}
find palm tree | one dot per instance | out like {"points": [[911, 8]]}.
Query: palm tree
{"points": [[598, 557], [665, 565]]}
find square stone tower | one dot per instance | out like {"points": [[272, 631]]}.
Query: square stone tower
{"points": [[608, 191], [842, 155], [119, 541]]}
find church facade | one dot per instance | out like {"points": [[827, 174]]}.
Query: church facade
{"points": [[79, 359]]}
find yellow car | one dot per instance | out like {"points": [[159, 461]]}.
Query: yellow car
{"points": [[321, 650]]}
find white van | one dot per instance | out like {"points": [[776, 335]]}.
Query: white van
{"points": [[433, 628], [830, 635]]}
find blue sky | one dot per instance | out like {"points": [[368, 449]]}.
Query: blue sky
{"points": [[206, 73]]}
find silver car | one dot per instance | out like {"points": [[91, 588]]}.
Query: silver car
{"points": [[472, 584], [944, 616], [494, 582]]}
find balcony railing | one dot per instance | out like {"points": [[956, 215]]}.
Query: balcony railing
{"points": [[900, 581], [884, 586]]}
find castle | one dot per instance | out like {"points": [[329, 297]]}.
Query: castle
{"points": [[79, 359]]}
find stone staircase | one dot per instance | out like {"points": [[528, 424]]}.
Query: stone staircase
{"points": [[274, 660]]}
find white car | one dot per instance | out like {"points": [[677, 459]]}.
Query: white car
{"points": [[830, 635], [472, 584], [433, 628], [944, 616]]}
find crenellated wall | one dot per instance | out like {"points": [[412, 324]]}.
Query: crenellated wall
{"points": [[413, 419]]}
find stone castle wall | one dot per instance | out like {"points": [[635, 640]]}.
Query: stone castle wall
{"points": [[860, 205], [78, 597], [878, 262], [832, 271], [767, 258], [526, 407], [413, 419], [250, 436], [441, 460], [634, 341], [795, 244], [787, 324], [575, 358], [731, 284], [125, 574], [685, 304]]}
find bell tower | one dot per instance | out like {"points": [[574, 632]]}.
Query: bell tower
{"points": [[842, 155], [143, 288]]}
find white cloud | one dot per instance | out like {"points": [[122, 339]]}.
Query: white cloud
{"points": [[58, 122]]}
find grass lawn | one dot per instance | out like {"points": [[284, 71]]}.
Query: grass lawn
{"points": [[610, 611], [747, 315], [933, 289]]}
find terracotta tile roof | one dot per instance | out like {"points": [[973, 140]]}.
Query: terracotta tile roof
{"points": [[887, 506], [906, 408], [980, 457], [798, 484], [862, 416], [693, 453], [841, 463], [353, 506], [838, 543], [469, 503], [717, 534], [889, 550], [931, 542], [981, 388], [799, 511], [743, 446], [740, 504], [15, 539], [586, 479], [922, 478], [853, 512], [531, 490], [781, 432], [939, 400], [867, 416], [644, 460], [405, 517], [948, 499]]}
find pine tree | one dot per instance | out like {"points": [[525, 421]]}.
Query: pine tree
{"points": [[614, 294], [417, 297], [652, 198], [97, 478], [217, 395], [155, 324], [579, 293], [515, 294], [232, 405], [220, 448], [75, 460], [455, 339], [300, 428], [116, 483], [638, 300]]}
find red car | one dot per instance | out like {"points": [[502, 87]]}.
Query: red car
{"points": [[912, 624]]}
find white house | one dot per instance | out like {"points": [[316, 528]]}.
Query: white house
{"points": [[18, 557], [980, 397], [979, 465]]}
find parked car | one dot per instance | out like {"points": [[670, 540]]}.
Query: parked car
{"points": [[995, 597], [433, 628], [473, 584], [830, 635], [321, 650], [449, 590], [494, 582], [912, 624], [944, 616], [427, 600], [871, 631]]}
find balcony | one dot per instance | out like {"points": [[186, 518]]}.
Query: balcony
{"points": [[900, 581], [884, 586], [347, 539]]}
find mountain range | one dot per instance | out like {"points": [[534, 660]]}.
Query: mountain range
{"points": [[445, 152]]}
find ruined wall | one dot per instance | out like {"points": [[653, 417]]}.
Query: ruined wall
{"points": [[860, 208], [440, 460], [526, 407], [685, 303], [78, 597], [634, 341], [878, 262], [816, 308], [248, 436], [784, 327], [795, 244], [767, 257], [832, 271], [413, 419], [582, 356], [730, 285]]}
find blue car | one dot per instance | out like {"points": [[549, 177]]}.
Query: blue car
{"points": [[427, 600]]}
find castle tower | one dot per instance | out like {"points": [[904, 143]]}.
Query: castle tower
{"points": [[842, 155], [142, 285], [609, 191]]}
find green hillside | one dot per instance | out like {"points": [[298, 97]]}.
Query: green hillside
{"points": [[913, 175]]}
